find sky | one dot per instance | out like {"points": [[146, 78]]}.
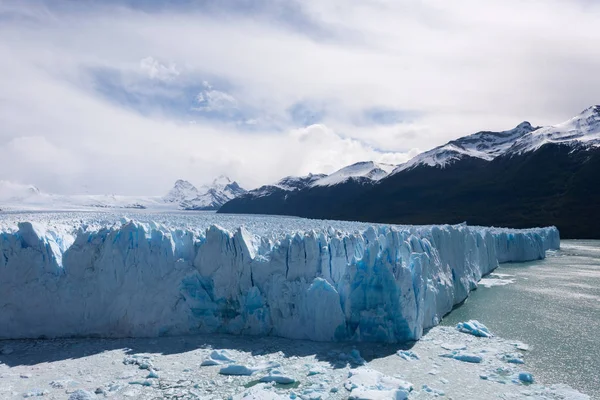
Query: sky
{"points": [[126, 96]]}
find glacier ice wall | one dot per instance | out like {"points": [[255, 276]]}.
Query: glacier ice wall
{"points": [[383, 284]]}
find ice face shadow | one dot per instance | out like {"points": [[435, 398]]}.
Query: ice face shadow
{"points": [[339, 355]]}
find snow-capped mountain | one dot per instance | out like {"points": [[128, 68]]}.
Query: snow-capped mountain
{"points": [[581, 130], [182, 191], [208, 197], [12, 192], [366, 169], [484, 145], [526, 176]]}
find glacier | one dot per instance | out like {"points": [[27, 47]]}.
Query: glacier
{"points": [[287, 277]]}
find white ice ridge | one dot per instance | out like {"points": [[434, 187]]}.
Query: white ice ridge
{"points": [[382, 283]]}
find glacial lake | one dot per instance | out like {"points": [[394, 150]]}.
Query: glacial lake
{"points": [[554, 306]]}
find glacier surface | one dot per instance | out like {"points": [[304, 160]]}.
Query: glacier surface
{"points": [[90, 275]]}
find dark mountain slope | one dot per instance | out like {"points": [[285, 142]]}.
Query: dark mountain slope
{"points": [[554, 185]]}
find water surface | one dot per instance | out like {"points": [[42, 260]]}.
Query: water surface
{"points": [[554, 306]]}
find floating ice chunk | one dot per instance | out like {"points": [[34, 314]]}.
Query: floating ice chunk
{"points": [[236, 369], [515, 361], [62, 383], [525, 377], [35, 393], [278, 377], [408, 355], [141, 383], [491, 282], [316, 370], [468, 357], [82, 395], [475, 328], [512, 358], [433, 391], [152, 375], [365, 383], [143, 362], [465, 357], [114, 387], [218, 357], [521, 346]]}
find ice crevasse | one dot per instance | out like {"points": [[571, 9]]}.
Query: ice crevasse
{"points": [[383, 283]]}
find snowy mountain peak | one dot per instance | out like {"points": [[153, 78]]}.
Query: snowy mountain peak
{"points": [[10, 191], [298, 182], [484, 145], [525, 125], [208, 197], [364, 169], [181, 191], [581, 130]]}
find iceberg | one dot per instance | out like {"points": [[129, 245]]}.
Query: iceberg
{"points": [[131, 279], [475, 328]]}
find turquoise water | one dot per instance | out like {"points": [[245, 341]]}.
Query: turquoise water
{"points": [[554, 306]]}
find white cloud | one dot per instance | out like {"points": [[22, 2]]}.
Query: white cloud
{"points": [[156, 70], [214, 100], [461, 66]]}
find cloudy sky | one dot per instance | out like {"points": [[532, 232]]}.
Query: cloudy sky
{"points": [[126, 96]]}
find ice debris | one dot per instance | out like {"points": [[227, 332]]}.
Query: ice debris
{"points": [[475, 328], [218, 357], [365, 383], [239, 369], [521, 346], [277, 376], [236, 369], [430, 390], [81, 394], [407, 355], [465, 357], [525, 377], [35, 393], [143, 362]]}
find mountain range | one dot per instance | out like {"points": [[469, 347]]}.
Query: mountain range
{"points": [[207, 197], [524, 177], [183, 196]]}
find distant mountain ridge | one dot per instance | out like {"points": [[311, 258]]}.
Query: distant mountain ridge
{"points": [[484, 145], [527, 176], [208, 197], [183, 196]]}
